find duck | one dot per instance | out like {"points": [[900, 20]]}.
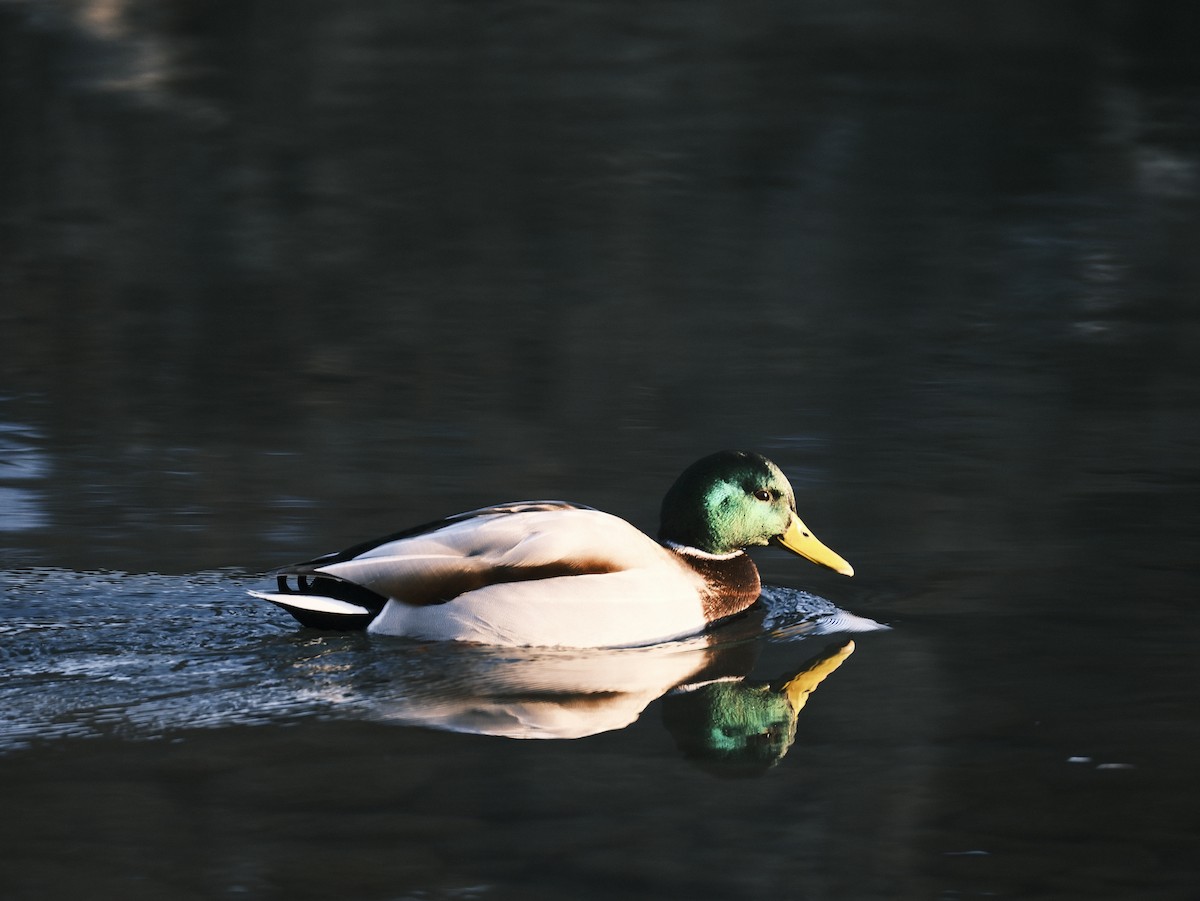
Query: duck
{"points": [[561, 574]]}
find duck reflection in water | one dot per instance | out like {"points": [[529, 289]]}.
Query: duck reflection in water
{"points": [[713, 712], [741, 728]]}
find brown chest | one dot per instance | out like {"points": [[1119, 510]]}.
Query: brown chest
{"points": [[731, 583]]}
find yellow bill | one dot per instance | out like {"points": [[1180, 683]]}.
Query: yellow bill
{"points": [[800, 686], [799, 540]]}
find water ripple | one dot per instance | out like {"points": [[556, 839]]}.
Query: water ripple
{"points": [[88, 654]]}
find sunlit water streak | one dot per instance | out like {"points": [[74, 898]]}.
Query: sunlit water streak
{"points": [[87, 654]]}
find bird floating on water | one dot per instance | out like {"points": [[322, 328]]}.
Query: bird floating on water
{"points": [[552, 573]]}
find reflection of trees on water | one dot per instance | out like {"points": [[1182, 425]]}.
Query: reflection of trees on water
{"points": [[349, 241]]}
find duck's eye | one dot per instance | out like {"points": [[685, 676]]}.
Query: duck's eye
{"points": [[763, 494]]}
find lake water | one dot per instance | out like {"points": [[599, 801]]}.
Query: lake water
{"points": [[278, 278]]}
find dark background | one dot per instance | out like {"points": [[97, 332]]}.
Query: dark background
{"points": [[277, 277]]}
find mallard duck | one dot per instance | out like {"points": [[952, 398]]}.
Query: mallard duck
{"points": [[551, 573]]}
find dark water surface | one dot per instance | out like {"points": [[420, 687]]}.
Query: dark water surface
{"points": [[277, 278]]}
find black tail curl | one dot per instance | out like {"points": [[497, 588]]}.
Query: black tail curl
{"points": [[325, 586]]}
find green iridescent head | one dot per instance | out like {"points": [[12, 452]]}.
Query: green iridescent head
{"points": [[733, 500]]}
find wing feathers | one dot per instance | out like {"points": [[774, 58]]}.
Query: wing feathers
{"points": [[426, 580], [487, 562], [430, 528]]}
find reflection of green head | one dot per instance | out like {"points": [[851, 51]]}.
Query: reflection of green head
{"points": [[739, 729], [742, 728]]}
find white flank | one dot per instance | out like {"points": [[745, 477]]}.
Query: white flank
{"points": [[608, 610]]}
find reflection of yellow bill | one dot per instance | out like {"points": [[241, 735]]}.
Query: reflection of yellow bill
{"points": [[799, 687], [799, 540]]}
